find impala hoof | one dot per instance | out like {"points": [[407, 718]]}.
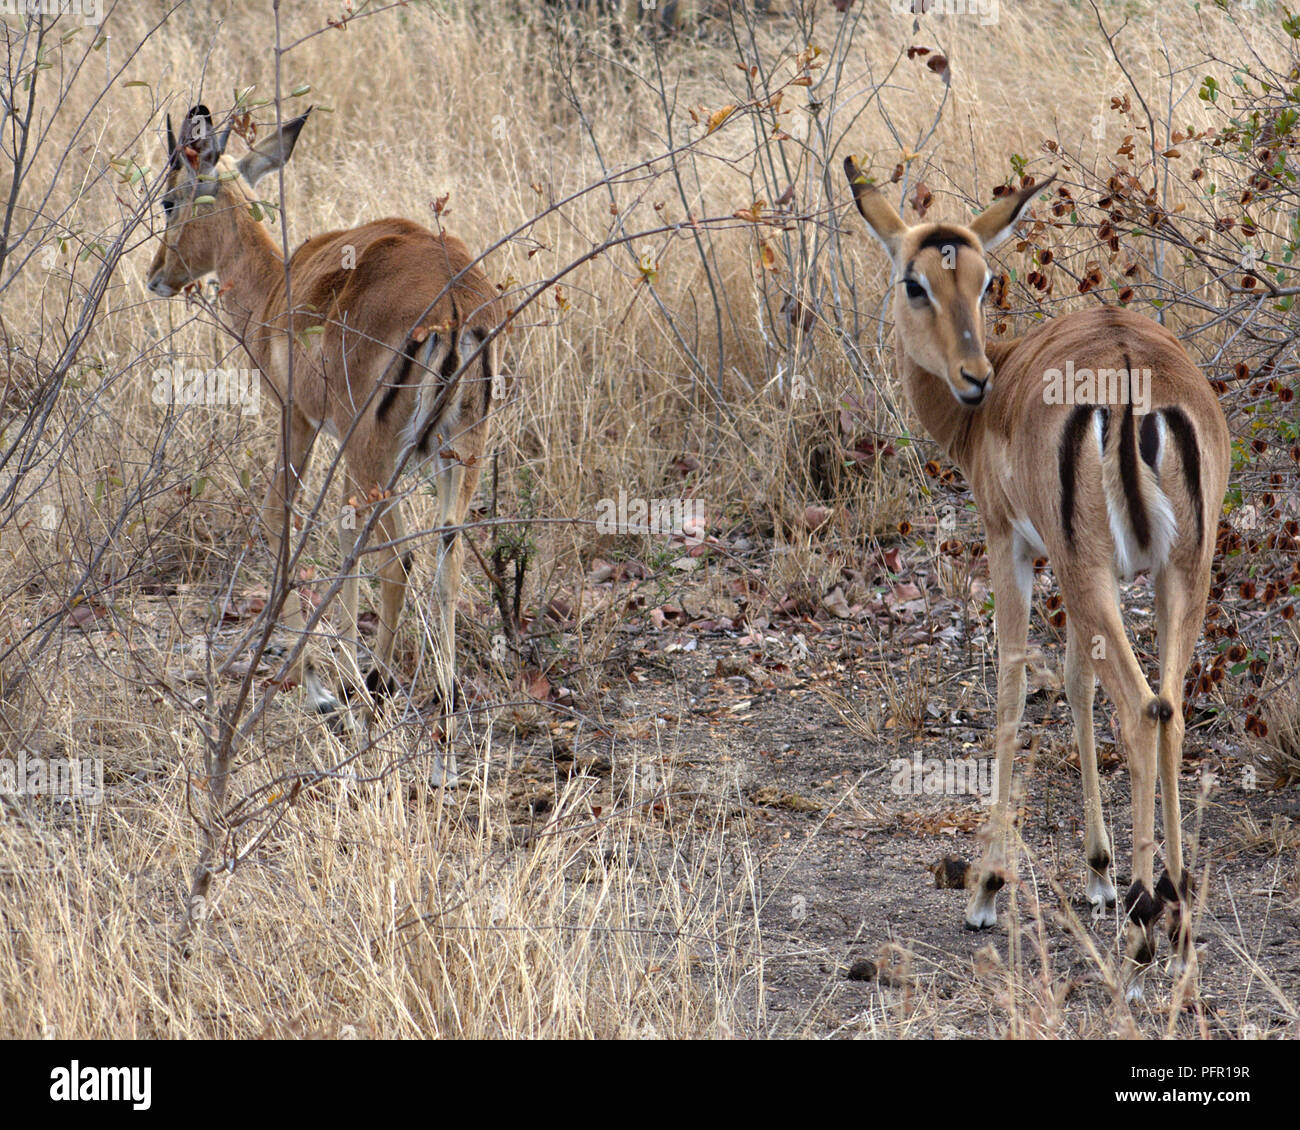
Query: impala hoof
{"points": [[443, 775], [982, 913], [380, 685], [318, 698], [1134, 993], [982, 910], [1143, 910], [342, 722], [1101, 894]]}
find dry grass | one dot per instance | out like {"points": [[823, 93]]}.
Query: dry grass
{"points": [[586, 902]]}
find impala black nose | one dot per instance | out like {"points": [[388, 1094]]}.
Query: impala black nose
{"points": [[975, 387]]}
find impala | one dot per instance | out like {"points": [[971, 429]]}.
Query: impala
{"points": [[393, 354], [1132, 479]]}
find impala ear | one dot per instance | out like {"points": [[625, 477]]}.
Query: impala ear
{"points": [[883, 222], [999, 220], [199, 145], [173, 153], [272, 153]]}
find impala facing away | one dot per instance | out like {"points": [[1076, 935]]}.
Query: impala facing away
{"points": [[392, 349], [1104, 489]]}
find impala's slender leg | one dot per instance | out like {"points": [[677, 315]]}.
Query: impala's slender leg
{"points": [[350, 528], [451, 551], [1011, 571], [1092, 603], [1080, 687], [1180, 609], [456, 485], [393, 568], [1141, 903], [301, 437]]}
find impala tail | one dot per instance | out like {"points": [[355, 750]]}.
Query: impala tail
{"points": [[1133, 448], [457, 366]]}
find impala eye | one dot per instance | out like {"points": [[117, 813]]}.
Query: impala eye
{"points": [[915, 291]]}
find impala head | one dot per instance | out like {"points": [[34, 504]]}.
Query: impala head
{"points": [[941, 279], [202, 189]]}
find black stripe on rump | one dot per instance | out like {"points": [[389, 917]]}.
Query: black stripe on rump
{"points": [[1180, 427], [450, 364], [1128, 467], [1076, 424], [391, 390]]}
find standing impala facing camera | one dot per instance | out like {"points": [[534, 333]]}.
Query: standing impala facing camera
{"points": [[393, 352], [1128, 480]]}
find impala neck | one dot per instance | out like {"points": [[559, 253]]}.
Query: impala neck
{"points": [[250, 269], [948, 422]]}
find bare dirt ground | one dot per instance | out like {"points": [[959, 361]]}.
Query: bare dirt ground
{"points": [[775, 726]]}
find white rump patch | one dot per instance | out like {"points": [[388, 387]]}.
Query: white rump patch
{"points": [[431, 357], [1130, 558]]}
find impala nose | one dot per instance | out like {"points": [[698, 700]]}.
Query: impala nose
{"points": [[975, 386], [158, 286]]}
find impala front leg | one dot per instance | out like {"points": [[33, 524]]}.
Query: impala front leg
{"points": [[1011, 571], [354, 687], [294, 457]]}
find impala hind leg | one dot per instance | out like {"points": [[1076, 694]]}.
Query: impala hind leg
{"points": [[1180, 610], [1142, 903], [1080, 688], [356, 691], [456, 485], [1096, 614], [1011, 571]]}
